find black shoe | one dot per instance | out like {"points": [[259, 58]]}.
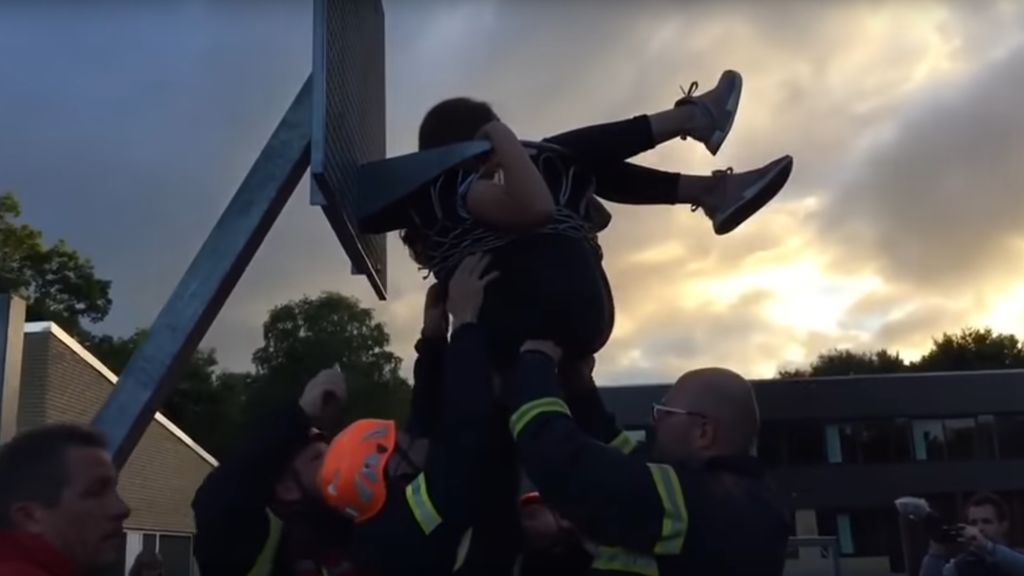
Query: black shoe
{"points": [[742, 194]]}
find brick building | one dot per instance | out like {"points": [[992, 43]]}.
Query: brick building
{"points": [[60, 381]]}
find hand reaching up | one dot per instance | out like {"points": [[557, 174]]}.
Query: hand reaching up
{"points": [[466, 289]]}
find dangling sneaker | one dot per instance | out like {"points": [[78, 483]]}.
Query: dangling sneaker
{"points": [[719, 106], [740, 195]]}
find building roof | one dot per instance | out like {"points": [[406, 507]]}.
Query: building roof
{"points": [[914, 395], [72, 344]]}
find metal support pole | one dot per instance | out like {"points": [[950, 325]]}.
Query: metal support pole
{"points": [[155, 367], [12, 340]]}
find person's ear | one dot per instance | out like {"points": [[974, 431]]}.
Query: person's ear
{"points": [[27, 517], [707, 434]]}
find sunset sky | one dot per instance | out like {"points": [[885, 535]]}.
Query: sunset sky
{"points": [[127, 126]]}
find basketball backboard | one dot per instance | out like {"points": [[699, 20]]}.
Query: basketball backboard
{"points": [[348, 122]]}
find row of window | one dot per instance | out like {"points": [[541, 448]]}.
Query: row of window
{"points": [[174, 549], [887, 441]]}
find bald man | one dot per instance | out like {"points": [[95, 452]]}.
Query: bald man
{"points": [[697, 503]]}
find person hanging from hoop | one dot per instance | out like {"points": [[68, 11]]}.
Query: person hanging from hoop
{"points": [[535, 210]]}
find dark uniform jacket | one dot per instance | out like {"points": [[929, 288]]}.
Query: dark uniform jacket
{"points": [[646, 518]]}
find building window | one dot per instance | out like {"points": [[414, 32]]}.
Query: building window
{"points": [[771, 444], [869, 442], [845, 533], [1010, 433], [987, 437], [929, 440], [174, 549], [176, 552], [961, 439], [867, 533], [805, 443]]}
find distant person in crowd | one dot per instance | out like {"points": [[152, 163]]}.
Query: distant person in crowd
{"points": [[147, 563], [982, 548], [60, 513], [260, 512], [696, 502], [551, 545]]}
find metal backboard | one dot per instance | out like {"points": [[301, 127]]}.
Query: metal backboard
{"points": [[348, 122]]}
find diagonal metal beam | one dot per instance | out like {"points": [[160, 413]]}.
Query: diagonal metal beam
{"points": [[156, 366]]}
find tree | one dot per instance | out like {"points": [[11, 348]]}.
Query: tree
{"points": [[57, 282], [206, 404], [838, 362], [307, 335], [968, 350], [972, 349]]}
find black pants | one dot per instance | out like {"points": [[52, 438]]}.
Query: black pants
{"points": [[604, 148], [554, 287]]}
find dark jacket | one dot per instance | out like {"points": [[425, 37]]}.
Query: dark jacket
{"points": [[236, 535], [717, 517], [23, 554]]}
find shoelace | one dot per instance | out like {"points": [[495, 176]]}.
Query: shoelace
{"points": [[689, 92], [714, 174]]}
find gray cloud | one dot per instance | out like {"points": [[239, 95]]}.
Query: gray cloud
{"points": [[939, 204], [133, 123]]}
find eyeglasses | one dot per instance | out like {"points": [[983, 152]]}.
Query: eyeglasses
{"points": [[658, 410]]}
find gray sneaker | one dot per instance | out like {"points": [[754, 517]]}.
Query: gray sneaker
{"points": [[719, 106], [741, 195]]}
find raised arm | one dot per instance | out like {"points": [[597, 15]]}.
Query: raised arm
{"points": [[588, 410], [615, 499], [428, 371], [523, 200]]}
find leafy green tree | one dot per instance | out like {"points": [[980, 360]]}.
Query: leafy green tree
{"points": [[972, 349], [838, 362], [205, 403], [968, 350], [57, 282], [304, 336]]}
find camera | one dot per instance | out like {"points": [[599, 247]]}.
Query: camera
{"points": [[938, 529]]}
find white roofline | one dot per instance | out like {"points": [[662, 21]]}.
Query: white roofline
{"points": [[70, 342]]}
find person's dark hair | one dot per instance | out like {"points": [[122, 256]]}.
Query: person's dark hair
{"points": [[989, 499], [454, 120], [146, 560], [33, 467]]}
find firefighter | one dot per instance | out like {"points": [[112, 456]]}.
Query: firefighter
{"points": [[259, 512], [696, 503], [410, 498]]}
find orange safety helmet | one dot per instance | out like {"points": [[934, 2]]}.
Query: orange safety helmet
{"points": [[352, 475]]}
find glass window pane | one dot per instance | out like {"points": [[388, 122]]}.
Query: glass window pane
{"points": [[986, 443], [878, 440], [771, 444], [902, 441], [845, 534], [833, 445], [929, 440], [1010, 430], [961, 438], [176, 552], [806, 443], [149, 542]]}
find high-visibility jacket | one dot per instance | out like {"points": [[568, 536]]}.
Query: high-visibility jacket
{"points": [[425, 526], [646, 518], [236, 535]]}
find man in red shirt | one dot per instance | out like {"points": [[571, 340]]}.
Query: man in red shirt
{"points": [[60, 513]]}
